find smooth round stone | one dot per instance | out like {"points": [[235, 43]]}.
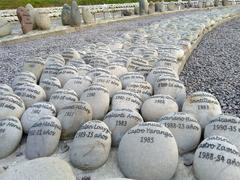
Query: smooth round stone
{"points": [[170, 63], [172, 87], [11, 105], [66, 73], [120, 121], [144, 89], [157, 106], [99, 62], [24, 77], [98, 97], [147, 146], [216, 158], [51, 70], [35, 112], [126, 100], [110, 82], [42, 20], [91, 145], [117, 70], [72, 117], [5, 27], [224, 125], [204, 106], [181, 125], [34, 65], [84, 69], [131, 77], [62, 98], [97, 72], [43, 137], [50, 86], [78, 84], [5, 89], [159, 71], [51, 168], [70, 53], [55, 58], [30, 93], [76, 63], [10, 135]]}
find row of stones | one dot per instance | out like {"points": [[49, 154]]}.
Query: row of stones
{"points": [[118, 90]]}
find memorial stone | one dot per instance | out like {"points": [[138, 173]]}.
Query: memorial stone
{"points": [[131, 77], [5, 27], [34, 65], [75, 14], [24, 77], [42, 20], [51, 70], [50, 86], [31, 12], [24, 19], [5, 89], [87, 16], [143, 7], [66, 15], [117, 70], [70, 53], [66, 73], [55, 58], [151, 8]]}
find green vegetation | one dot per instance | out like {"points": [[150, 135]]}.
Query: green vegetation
{"points": [[11, 4]]}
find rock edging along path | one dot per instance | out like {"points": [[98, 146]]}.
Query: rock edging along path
{"points": [[214, 66], [177, 36]]}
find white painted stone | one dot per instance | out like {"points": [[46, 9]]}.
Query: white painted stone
{"points": [[30, 93], [98, 97], [5, 27], [23, 77], [131, 77], [34, 65], [119, 121], [84, 69], [51, 168], [50, 86], [224, 125], [216, 158], [35, 112], [66, 73], [147, 146], [76, 63], [70, 53], [99, 62], [96, 72], [11, 105], [204, 106], [5, 89], [157, 106], [182, 125], [62, 98], [117, 70], [10, 135], [78, 84], [126, 100], [51, 70], [72, 117], [55, 58], [43, 137], [170, 63], [91, 145]]}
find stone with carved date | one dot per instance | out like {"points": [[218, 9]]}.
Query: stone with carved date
{"points": [[216, 158], [148, 151], [43, 137], [181, 125], [91, 145], [50, 86], [5, 89], [34, 65], [10, 135], [23, 77], [66, 73]]}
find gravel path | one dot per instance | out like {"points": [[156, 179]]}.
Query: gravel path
{"points": [[215, 66]]}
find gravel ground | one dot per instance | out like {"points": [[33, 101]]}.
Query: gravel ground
{"points": [[215, 66]]}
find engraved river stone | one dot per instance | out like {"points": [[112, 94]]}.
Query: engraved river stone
{"points": [[62, 98], [170, 63], [66, 73], [51, 70], [125, 99], [24, 77], [157, 106], [111, 82], [216, 158], [99, 62], [84, 69], [181, 125], [43, 137], [117, 70], [172, 87], [78, 84], [70, 53], [88, 18], [42, 20], [98, 97], [11, 105], [91, 145], [72, 117], [35, 112], [5, 89], [10, 135], [24, 19], [75, 14], [120, 121], [55, 58], [224, 125], [144, 89], [66, 15], [30, 93], [76, 63], [97, 72], [5, 27], [147, 146], [50, 86], [131, 77], [51, 168], [172, 6], [34, 65], [204, 106]]}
